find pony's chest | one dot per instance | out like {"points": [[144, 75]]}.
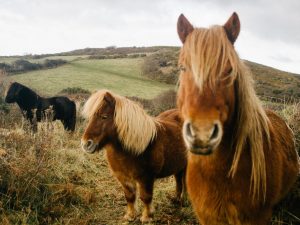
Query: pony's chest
{"points": [[216, 198], [130, 166]]}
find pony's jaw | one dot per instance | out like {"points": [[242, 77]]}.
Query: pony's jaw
{"points": [[202, 140]]}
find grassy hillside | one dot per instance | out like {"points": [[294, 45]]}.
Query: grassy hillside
{"points": [[160, 65], [47, 179], [120, 75], [270, 82], [275, 83]]}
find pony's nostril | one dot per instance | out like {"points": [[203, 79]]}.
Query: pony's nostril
{"points": [[215, 131], [88, 144]]}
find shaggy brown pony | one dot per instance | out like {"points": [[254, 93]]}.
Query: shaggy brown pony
{"points": [[139, 148], [242, 159]]}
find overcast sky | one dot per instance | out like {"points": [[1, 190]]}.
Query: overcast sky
{"points": [[270, 29]]}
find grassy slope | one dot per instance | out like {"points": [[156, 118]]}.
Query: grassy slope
{"points": [[273, 82], [120, 75]]}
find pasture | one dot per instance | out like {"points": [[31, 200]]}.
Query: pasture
{"points": [[120, 75]]}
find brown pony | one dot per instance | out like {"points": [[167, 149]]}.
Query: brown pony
{"points": [[242, 159], [139, 148]]}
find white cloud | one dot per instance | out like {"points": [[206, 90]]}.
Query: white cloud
{"points": [[269, 36]]}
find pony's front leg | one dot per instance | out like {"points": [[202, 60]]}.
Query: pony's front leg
{"points": [[129, 189], [181, 194], [146, 192]]}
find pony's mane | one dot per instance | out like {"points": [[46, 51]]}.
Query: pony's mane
{"points": [[17, 85], [207, 53], [136, 129]]}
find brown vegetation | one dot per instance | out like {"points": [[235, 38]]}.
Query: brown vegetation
{"points": [[47, 179]]}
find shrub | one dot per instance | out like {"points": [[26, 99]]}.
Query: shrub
{"points": [[3, 106], [162, 66], [74, 90], [21, 65], [162, 102], [52, 63], [276, 91]]}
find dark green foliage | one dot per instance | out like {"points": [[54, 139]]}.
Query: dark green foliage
{"points": [[52, 63], [3, 106], [276, 91], [21, 65], [74, 90]]}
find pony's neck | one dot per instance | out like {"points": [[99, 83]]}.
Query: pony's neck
{"points": [[27, 99], [117, 147]]}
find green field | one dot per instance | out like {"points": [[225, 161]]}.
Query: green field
{"points": [[120, 75]]}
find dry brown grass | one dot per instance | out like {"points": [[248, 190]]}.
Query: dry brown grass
{"points": [[288, 211], [47, 179]]}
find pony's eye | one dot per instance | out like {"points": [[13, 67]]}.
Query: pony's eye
{"points": [[104, 117], [229, 71], [182, 68]]}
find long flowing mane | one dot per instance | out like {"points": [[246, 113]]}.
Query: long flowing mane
{"points": [[207, 53], [136, 129]]}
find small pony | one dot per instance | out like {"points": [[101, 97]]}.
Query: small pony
{"points": [[63, 108], [242, 159], [139, 148]]}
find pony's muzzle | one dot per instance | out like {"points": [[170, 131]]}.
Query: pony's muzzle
{"points": [[89, 146], [202, 139]]}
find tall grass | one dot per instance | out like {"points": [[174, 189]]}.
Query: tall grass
{"points": [[45, 178]]}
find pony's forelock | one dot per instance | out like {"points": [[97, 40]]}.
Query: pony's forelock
{"points": [[206, 53], [93, 104]]}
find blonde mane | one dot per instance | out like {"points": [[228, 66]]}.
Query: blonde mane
{"points": [[207, 53], [136, 129]]}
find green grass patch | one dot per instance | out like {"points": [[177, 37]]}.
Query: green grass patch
{"points": [[122, 76]]}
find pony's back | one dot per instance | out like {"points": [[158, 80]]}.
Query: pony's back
{"points": [[171, 114]]}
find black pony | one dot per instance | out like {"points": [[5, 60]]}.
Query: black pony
{"points": [[34, 106]]}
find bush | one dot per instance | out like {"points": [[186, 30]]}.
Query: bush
{"points": [[74, 90], [162, 102], [162, 66], [3, 106], [21, 65], [52, 63], [24, 65], [276, 91]]}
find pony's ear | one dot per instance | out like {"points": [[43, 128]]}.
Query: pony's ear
{"points": [[184, 28], [109, 99], [232, 27]]}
